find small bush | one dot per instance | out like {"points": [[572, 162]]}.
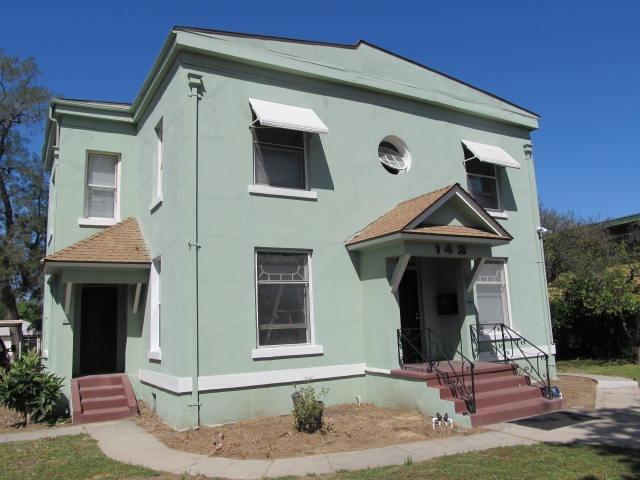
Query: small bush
{"points": [[29, 389], [308, 409]]}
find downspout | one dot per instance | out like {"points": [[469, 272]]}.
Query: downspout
{"points": [[197, 91], [55, 149], [542, 271]]}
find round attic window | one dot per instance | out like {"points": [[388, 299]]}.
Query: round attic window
{"points": [[394, 156]]}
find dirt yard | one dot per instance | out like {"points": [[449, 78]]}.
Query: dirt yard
{"points": [[347, 427], [577, 392], [12, 422]]}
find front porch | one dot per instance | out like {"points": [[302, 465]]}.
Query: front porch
{"points": [[449, 292], [98, 286]]}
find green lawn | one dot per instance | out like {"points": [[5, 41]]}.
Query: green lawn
{"points": [[72, 457], [77, 457], [619, 368], [549, 462]]}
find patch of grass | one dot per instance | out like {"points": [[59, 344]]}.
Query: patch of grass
{"points": [[614, 368], [551, 462], [72, 457]]}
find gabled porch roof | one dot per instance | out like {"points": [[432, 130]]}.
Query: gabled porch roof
{"points": [[415, 219], [121, 245]]}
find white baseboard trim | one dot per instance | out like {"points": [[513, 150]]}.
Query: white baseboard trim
{"points": [[379, 371], [165, 381], [250, 379]]}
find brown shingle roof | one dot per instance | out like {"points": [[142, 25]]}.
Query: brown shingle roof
{"points": [[396, 219], [121, 243], [401, 216]]}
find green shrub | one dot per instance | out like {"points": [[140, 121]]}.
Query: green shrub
{"points": [[29, 389], [308, 409]]}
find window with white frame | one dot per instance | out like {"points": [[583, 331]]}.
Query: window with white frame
{"points": [[283, 303], [492, 293], [279, 158], [482, 180], [159, 159], [102, 186], [156, 309]]}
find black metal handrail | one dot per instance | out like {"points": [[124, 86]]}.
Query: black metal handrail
{"points": [[460, 373], [505, 345]]}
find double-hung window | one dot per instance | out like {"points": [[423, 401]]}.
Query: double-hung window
{"points": [[279, 158], [283, 303], [492, 293], [482, 181], [102, 186]]}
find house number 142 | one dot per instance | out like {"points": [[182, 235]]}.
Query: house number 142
{"points": [[448, 248]]}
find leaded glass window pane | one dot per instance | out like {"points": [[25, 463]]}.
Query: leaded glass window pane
{"points": [[283, 298]]}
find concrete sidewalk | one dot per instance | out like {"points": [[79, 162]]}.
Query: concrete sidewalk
{"points": [[127, 442], [616, 422]]}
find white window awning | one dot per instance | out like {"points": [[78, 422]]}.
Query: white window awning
{"points": [[270, 114], [490, 154]]}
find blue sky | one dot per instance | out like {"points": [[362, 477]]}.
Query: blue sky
{"points": [[575, 63]]}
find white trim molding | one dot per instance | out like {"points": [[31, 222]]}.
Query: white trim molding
{"points": [[499, 214], [250, 379], [165, 381], [286, 351], [282, 192], [96, 222], [377, 371], [275, 377], [154, 354]]}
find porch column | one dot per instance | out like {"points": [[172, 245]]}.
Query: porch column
{"points": [[473, 276], [67, 297], [398, 272]]}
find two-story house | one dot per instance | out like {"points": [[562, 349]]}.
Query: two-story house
{"points": [[269, 212]]}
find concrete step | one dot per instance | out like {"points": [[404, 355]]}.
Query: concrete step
{"points": [[97, 403], [500, 397], [99, 380], [104, 414], [500, 370], [102, 397], [514, 411], [485, 385], [101, 391]]}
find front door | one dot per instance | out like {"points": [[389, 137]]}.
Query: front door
{"points": [[98, 331], [409, 299]]}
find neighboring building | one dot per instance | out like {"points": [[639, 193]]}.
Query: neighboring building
{"points": [[26, 339], [269, 212], [625, 229]]}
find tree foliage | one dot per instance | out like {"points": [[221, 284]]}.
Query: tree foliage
{"points": [[594, 285], [571, 240], [29, 389], [23, 103]]}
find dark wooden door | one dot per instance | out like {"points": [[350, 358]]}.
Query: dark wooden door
{"points": [[98, 332], [410, 316]]}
